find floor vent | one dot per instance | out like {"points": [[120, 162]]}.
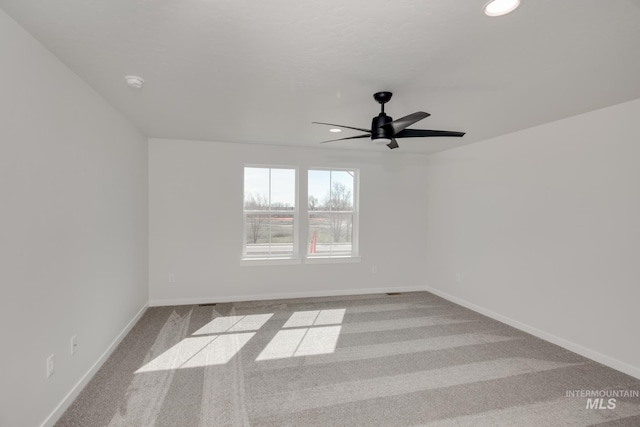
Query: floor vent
{"points": [[394, 293], [211, 304]]}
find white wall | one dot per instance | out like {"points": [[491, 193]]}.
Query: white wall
{"points": [[196, 224], [73, 228], [543, 226]]}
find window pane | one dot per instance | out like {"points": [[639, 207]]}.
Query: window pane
{"points": [[330, 233], [342, 190], [331, 212], [281, 230], [319, 185], [283, 188], [256, 229], [269, 234], [330, 190], [256, 188]]}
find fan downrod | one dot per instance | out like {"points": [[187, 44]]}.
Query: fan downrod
{"points": [[382, 98]]}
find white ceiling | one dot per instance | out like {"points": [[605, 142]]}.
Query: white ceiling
{"points": [[262, 71]]}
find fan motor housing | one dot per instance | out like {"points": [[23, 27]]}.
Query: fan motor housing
{"points": [[378, 131]]}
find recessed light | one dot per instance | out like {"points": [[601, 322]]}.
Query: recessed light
{"points": [[335, 130], [501, 7], [134, 81]]}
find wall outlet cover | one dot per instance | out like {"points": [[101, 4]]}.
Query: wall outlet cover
{"points": [[50, 365]]}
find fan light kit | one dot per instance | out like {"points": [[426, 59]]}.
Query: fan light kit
{"points": [[500, 7], [385, 130], [134, 81]]}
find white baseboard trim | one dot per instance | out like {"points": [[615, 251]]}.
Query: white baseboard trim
{"points": [[634, 371], [286, 295], [75, 391]]}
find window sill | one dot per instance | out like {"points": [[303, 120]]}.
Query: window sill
{"points": [[255, 262], [333, 260]]}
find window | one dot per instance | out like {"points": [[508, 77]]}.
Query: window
{"points": [[327, 228], [332, 213], [269, 212]]}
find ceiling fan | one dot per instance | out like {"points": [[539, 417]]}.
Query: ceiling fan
{"points": [[385, 130]]}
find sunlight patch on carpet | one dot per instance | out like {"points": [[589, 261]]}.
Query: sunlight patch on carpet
{"points": [[213, 344]]}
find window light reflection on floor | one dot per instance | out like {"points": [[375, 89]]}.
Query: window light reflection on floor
{"points": [[251, 322], [315, 318], [195, 352], [311, 340], [213, 344], [301, 342]]}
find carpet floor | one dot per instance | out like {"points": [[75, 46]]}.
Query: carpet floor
{"points": [[367, 360]]}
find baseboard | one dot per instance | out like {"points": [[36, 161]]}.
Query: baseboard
{"points": [[286, 295], [75, 391], [616, 364]]}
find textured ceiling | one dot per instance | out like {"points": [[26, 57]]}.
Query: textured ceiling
{"points": [[261, 72]]}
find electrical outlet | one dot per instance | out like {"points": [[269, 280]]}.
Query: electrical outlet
{"points": [[458, 277], [172, 278], [374, 269], [51, 364], [74, 344]]}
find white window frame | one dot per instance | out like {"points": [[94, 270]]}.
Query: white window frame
{"points": [[355, 212], [294, 258], [301, 221]]}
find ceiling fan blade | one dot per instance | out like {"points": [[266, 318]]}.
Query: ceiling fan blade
{"points": [[422, 133], [393, 144], [341, 126], [349, 137], [406, 121]]}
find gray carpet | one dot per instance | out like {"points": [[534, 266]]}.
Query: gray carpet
{"points": [[368, 360]]}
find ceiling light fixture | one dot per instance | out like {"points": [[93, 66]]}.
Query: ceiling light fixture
{"points": [[134, 81], [335, 130], [501, 7]]}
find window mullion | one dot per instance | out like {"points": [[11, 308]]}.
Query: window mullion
{"points": [[269, 216], [301, 215]]}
